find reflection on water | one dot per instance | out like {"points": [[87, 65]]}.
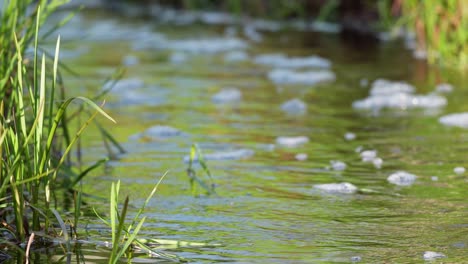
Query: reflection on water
{"points": [[267, 210]]}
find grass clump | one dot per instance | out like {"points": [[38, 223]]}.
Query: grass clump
{"points": [[35, 139]]}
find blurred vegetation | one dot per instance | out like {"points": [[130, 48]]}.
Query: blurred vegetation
{"points": [[440, 26]]}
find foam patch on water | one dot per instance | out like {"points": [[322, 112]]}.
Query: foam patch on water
{"points": [[338, 165], [283, 76], [227, 95], [294, 107], [431, 255], [292, 142], [236, 56], [195, 46], [456, 119], [281, 61], [402, 178], [398, 95], [344, 188]]}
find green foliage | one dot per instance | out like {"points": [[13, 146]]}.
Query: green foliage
{"points": [[196, 155], [441, 29], [32, 150], [125, 235]]}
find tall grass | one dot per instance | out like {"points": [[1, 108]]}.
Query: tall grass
{"points": [[32, 122], [441, 29]]}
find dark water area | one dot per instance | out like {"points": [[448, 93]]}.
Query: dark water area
{"points": [[270, 161]]}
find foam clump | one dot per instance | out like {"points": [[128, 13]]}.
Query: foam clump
{"points": [[236, 56], [444, 88], [194, 46], [178, 57], [402, 178], [294, 107], [459, 170], [225, 155], [282, 61], [368, 155], [283, 76], [344, 188], [431, 255], [338, 165], [292, 142], [227, 95], [385, 87], [301, 156], [350, 136], [456, 120], [397, 95]]}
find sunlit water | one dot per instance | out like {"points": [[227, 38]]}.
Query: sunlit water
{"points": [[267, 210]]}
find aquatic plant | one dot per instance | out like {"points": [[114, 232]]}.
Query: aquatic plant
{"points": [[196, 155], [125, 234]]}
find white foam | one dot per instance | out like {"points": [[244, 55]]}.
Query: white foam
{"points": [[431, 255], [350, 136], [344, 187], [236, 56], [301, 156], [292, 142], [402, 178], [368, 155], [456, 119], [294, 107], [338, 165], [227, 95], [281, 61], [397, 95], [282, 76], [459, 170]]}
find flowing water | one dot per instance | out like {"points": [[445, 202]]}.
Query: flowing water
{"points": [[266, 209]]}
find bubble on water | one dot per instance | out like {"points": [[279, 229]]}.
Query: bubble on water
{"points": [[236, 56], [292, 142], [178, 57], [456, 119], [356, 258], [434, 178], [397, 95], [338, 165], [377, 163], [350, 136], [294, 107], [368, 155], [459, 170], [358, 149], [344, 187], [282, 76], [227, 95], [444, 88], [301, 156], [130, 60], [281, 61], [431, 255], [402, 178]]}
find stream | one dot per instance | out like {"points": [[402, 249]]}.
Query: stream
{"points": [[323, 148]]}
